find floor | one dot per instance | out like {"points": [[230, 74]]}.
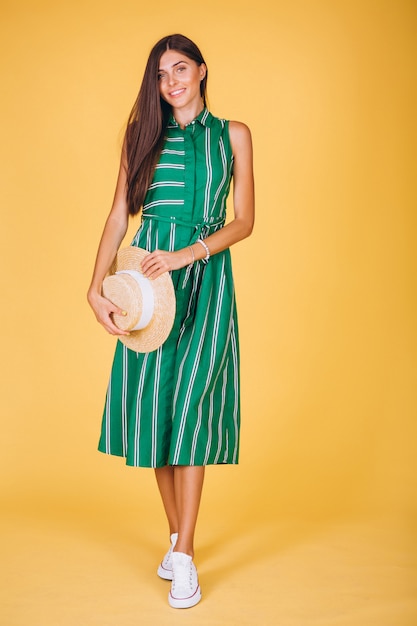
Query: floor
{"points": [[91, 567]]}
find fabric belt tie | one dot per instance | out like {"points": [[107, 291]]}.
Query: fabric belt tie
{"points": [[199, 228]]}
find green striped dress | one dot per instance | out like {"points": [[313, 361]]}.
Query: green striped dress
{"points": [[179, 405]]}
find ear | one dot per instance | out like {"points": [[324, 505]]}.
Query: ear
{"points": [[203, 71]]}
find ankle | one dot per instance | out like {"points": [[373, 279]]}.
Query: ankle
{"points": [[184, 549]]}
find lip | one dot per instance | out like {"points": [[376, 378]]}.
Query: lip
{"points": [[176, 93]]}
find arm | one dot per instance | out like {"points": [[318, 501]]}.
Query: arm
{"points": [[113, 233], [244, 212]]}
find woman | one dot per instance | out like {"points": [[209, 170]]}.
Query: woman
{"points": [[176, 409]]}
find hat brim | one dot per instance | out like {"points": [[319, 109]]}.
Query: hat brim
{"points": [[160, 326]]}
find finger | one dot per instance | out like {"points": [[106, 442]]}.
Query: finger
{"points": [[117, 332], [110, 307], [152, 268], [118, 311], [146, 265], [153, 261], [106, 321], [112, 329], [156, 273], [149, 258]]}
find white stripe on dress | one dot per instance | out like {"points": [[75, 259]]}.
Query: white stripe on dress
{"points": [[220, 422], [209, 168], [226, 450], [136, 450], [169, 166], [162, 203], [155, 407], [108, 402], [149, 236], [125, 375], [197, 271], [222, 368], [170, 151], [223, 362], [172, 237], [167, 183], [190, 382], [209, 376], [236, 384], [224, 163]]}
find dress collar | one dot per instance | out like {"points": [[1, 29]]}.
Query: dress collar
{"points": [[204, 118]]}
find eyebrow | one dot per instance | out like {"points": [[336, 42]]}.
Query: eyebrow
{"points": [[173, 65]]}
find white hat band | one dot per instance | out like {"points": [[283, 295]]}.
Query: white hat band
{"points": [[148, 301]]}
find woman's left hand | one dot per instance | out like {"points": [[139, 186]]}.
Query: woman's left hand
{"points": [[160, 261]]}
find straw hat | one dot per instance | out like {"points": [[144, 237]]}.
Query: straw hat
{"points": [[149, 304]]}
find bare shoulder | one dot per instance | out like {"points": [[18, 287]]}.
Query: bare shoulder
{"points": [[239, 132], [240, 138]]}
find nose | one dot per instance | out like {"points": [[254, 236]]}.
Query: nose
{"points": [[171, 79]]}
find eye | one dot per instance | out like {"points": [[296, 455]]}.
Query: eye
{"points": [[161, 76], [181, 68]]}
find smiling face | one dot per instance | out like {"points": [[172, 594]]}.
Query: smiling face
{"points": [[179, 80]]}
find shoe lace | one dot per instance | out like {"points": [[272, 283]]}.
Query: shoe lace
{"points": [[182, 577]]}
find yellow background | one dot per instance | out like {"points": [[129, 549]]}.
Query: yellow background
{"points": [[326, 285]]}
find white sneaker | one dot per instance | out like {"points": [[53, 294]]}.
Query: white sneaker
{"points": [[185, 590], [165, 568]]}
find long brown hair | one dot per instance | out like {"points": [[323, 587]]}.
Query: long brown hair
{"points": [[148, 120]]}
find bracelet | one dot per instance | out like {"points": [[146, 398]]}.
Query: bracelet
{"points": [[193, 255], [206, 248]]}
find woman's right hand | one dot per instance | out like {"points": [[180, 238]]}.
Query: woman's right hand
{"points": [[103, 310]]}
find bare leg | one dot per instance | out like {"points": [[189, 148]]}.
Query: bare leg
{"points": [[180, 488], [165, 480], [188, 482]]}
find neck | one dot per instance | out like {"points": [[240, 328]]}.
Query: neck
{"points": [[185, 116]]}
